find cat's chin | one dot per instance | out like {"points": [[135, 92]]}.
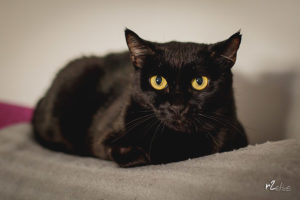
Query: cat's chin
{"points": [[177, 129]]}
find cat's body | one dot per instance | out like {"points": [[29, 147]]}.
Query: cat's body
{"points": [[104, 107]]}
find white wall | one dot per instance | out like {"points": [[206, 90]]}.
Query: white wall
{"points": [[39, 37]]}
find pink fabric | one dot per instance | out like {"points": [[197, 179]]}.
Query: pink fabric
{"points": [[11, 114]]}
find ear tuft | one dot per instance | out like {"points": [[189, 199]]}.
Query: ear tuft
{"points": [[138, 48]]}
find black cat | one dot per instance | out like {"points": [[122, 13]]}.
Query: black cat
{"points": [[176, 102]]}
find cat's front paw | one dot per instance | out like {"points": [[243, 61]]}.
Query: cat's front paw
{"points": [[129, 156]]}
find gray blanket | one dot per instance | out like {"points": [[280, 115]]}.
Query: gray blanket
{"points": [[29, 171]]}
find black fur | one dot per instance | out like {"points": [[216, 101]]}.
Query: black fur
{"points": [[104, 107]]}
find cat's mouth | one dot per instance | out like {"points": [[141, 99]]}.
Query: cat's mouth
{"points": [[176, 123], [173, 119], [179, 126]]}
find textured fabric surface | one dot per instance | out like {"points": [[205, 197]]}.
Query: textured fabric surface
{"points": [[28, 171]]}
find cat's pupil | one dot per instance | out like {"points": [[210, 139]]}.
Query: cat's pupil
{"points": [[158, 80], [199, 80]]}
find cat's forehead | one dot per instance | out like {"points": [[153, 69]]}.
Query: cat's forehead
{"points": [[178, 54]]}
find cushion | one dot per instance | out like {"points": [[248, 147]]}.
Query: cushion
{"points": [[29, 171], [11, 114]]}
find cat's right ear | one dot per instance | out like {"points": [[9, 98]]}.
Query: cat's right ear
{"points": [[226, 51], [139, 49]]}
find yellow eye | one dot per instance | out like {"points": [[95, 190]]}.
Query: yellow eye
{"points": [[158, 82], [199, 83]]}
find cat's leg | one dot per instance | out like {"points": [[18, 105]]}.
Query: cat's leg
{"points": [[128, 156], [116, 147]]}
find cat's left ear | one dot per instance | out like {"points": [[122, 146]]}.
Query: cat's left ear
{"points": [[226, 51], [139, 49]]}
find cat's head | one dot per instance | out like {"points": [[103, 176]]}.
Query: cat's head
{"points": [[180, 82]]}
